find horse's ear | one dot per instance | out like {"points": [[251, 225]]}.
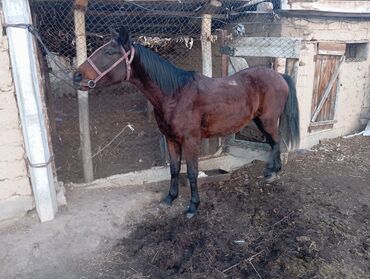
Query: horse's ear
{"points": [[124, 38]]}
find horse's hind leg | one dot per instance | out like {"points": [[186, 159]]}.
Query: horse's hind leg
{"points": [[174, 150], [269, 128]]}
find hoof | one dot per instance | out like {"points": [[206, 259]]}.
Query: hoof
{"points": [[192, 210], [167, 202], [271, 177], [164, 205], [190, 215]]}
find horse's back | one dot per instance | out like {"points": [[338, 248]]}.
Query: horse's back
{"points": [[269, 87], [264, 77], [251, 85]]}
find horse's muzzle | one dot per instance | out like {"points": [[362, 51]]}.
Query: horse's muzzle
{"points": [[78, 80], [77, 77]]}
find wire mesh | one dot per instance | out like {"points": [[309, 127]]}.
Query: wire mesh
{"points": [[171, 28]]}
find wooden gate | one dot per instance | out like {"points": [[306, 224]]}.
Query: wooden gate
{"points": [[329, 60]]}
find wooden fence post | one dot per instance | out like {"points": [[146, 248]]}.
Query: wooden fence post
{"points": [[83, 99], [224, 57], [224, 73], [206, 60]]}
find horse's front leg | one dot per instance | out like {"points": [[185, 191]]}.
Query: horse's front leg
{"points": [[191, 150], [174, 150]]}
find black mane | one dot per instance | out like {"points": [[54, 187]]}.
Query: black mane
{"points": [[167, 76]]}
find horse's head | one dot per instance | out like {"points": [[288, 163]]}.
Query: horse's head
{"points": [[109, 64]]}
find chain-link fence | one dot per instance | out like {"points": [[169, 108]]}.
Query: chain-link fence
{"points": [[171, 28]]}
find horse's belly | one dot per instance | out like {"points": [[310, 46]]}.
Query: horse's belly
{"points": [[224, 123]]}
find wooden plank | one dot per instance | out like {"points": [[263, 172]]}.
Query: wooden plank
{"points": [[282, 47], [317, 78], [311, 129], [328, 89], [331, 48], [330, 52], [334, 63], [326, 75], [83, 100], [322, 123]]}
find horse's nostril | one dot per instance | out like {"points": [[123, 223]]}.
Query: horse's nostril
{"points": [[77, 77]]}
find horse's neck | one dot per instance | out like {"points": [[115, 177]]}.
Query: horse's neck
{"points": [[149, 88]]}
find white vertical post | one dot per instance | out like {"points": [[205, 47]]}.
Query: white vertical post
{"points": [[83, 97], [206, 45], [206, 58], [27, 85]]}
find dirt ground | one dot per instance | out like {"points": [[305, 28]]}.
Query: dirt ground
{"points": [[313, 222]]}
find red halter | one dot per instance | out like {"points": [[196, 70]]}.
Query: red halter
{"points": [[128, 56]]}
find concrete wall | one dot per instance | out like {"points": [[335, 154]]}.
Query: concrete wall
{"points": [[15, 189], [353, 93]]}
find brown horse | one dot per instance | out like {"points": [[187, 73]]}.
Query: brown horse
{"points": [[189, 106]]}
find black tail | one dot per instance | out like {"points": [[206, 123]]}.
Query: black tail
{"points": [[289, 120]]}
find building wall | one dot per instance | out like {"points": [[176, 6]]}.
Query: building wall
{"points": [[353, 93], [15, 189], [345, 6]]}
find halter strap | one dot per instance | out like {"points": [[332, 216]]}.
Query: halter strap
{"points": [[128, 56]]}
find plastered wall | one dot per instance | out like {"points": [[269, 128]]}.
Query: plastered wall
{"points": [[15, 189], [353, 93]]}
